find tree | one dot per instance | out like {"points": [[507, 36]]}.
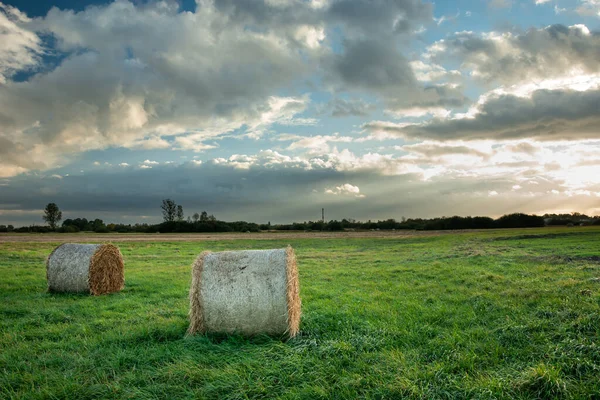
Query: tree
{"points": [[196, 217], [204, 216], [52, 215], [179, 213], [169, 210]]}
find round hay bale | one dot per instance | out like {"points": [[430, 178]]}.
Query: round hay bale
{"points": [[248, 292], [85, 268]]}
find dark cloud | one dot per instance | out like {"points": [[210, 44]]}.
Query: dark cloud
{"points": [[279, 194], [377, 66], [546, 115], [258, 193], [339, 107], [428, 97], [389, 15], [357, 16], [373, 65]]}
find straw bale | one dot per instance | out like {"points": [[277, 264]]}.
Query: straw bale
{"points": [[85, 268], [247, 292]]}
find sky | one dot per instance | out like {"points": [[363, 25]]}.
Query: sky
{"points": [[271, 110]]}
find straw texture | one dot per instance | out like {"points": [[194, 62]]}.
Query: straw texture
{"points": [[248, 292], [85, 268]]}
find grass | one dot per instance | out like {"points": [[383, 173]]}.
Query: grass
{"points": [[490, 315]]}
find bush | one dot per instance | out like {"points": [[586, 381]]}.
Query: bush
{"points": [[519, 220]]}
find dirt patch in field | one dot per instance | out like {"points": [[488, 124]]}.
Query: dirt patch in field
{"points": [[540, 236], [191, 237]]}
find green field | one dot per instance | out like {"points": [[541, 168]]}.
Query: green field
{"points": [[498, 314]]}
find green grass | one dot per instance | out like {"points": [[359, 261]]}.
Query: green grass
{"points": [[499, 314]]}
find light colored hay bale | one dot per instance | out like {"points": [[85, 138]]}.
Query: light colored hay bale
{"points": [[88, 268], [247, 292]]}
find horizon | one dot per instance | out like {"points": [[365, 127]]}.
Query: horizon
{"points": [[160, 220], [271, 110]]}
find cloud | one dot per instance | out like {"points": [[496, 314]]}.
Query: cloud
{"points": [[146, 76], [135, 75], [20, 49], [272, 186], [371, 64], [425, 72], [437, 149], [345, 190], [589, 8], [340, 107], [376, 65], [445, 18], [509, 58], [318, 143], [500, 4], [537, 2], [543, 114]]}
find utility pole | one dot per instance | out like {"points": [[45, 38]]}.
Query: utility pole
{"points": [[323, 214]]}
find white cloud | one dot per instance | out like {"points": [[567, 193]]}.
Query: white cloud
{"points": [[19, 47], [319, 143], [123, 164], [311, 36], [536, 54], [428, 72], [589, 8], [345, 190]]}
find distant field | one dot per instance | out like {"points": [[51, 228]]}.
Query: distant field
{"points": [[178, 237], [386, 315]]}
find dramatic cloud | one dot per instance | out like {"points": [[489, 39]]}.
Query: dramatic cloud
{"points": [[509, 58], [269, 186], [260, 109], [543, 114], [377, 66], [137, 75], [150, 77]]}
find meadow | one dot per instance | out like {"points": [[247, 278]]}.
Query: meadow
{"points": [[503, 314]]}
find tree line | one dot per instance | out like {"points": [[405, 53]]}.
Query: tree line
{"points": [[174, 220]]}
